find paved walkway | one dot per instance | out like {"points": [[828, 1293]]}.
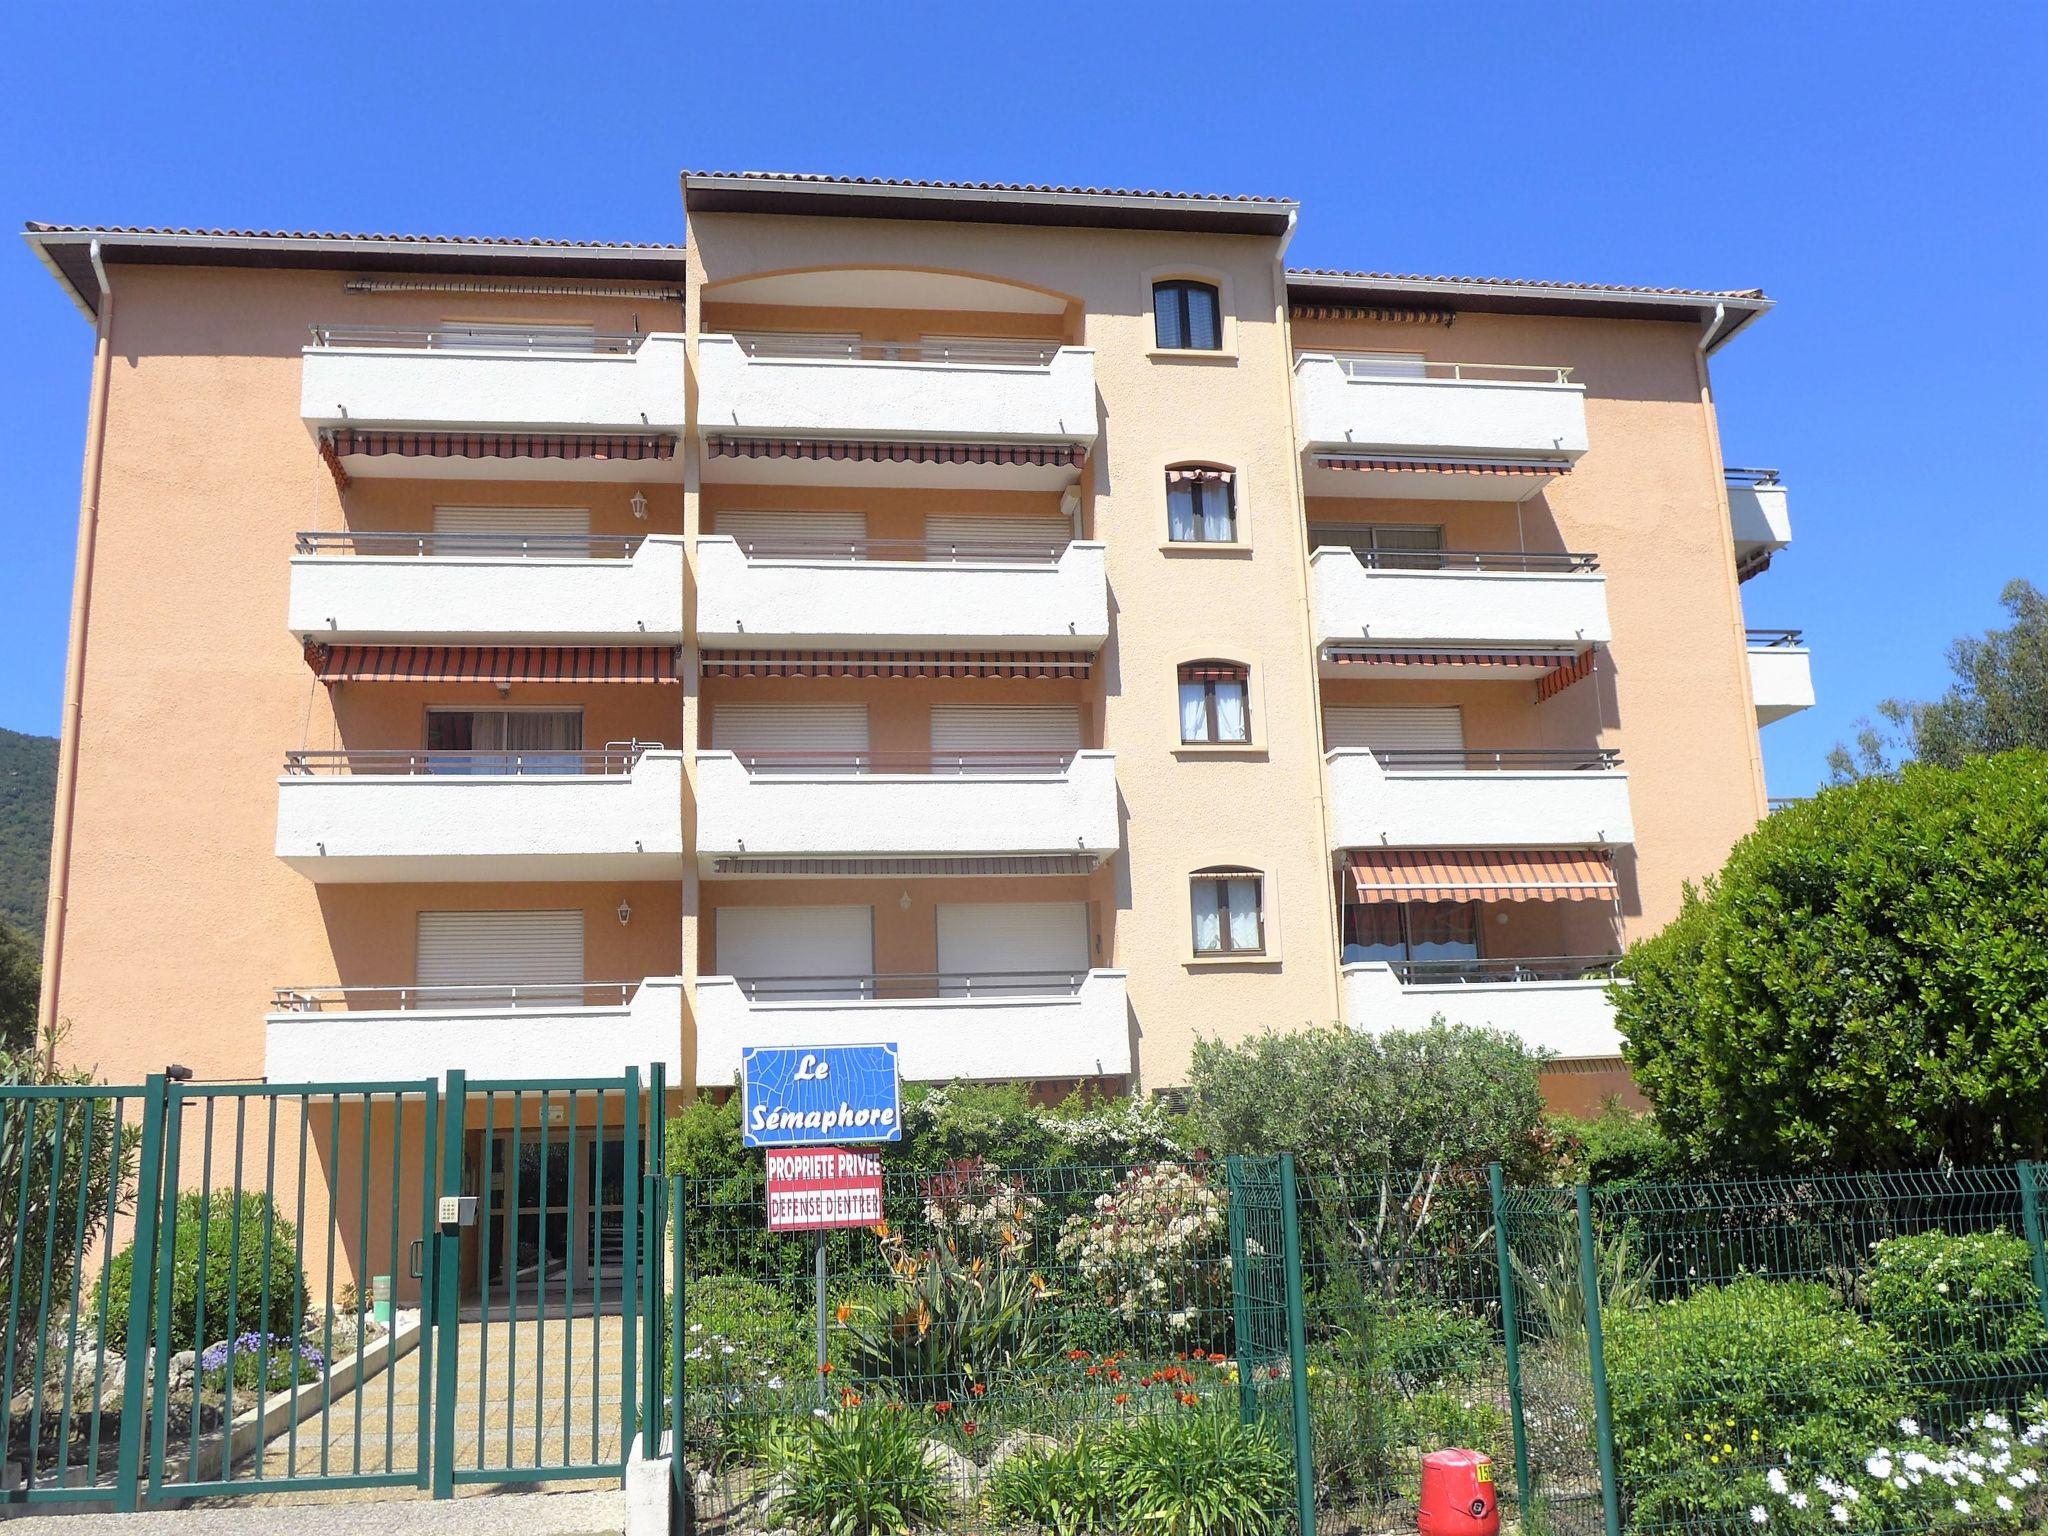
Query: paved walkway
{"points": [[512, 1514]]}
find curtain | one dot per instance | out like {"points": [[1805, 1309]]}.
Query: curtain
{"points": [[1194, 712], [1243, 896], [1231, 721], [1181, 526], [1444, 930], [1208, 896], [1372, 931], [1167, 331], [1219, 511], [1204, 325]]}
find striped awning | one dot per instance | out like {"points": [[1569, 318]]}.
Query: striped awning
{"points": [[1014, 664], [375, 443], [1413, 466], [1380, 312], [1544, 659], [988, 864], [491, 664], [1056, 455], [1555, 681], [1518, 874]]}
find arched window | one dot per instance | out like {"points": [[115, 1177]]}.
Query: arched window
{"points": [[1215, 701], [1201, 505], [1228, 907], [1187, 316]]}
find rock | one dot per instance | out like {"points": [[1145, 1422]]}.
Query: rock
{"points": [[960, 1474], [1017, 1442]]}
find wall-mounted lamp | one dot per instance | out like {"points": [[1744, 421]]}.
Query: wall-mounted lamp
{"points": [[638, 502], [625, 913], [903, 901]]}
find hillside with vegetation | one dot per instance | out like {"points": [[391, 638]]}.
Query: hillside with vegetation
{"points": [[28, 790]]}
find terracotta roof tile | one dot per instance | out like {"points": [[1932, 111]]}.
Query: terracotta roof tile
{"points": [[38, 228], [989, 186]]}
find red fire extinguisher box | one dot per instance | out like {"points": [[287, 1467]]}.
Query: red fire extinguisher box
{"points": [[1457, 1495]]}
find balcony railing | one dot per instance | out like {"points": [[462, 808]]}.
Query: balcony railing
{"points": [[1424, 560], [1498, 760], [991, 760], [912, 986], [1513, 373], [1505, 969], [1749, 477], [409, 998], [475, 545], [996, 351], [922, 551], [1774, 639], [614, 758], [478, 338]]}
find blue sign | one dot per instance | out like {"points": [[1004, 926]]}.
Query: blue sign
{"points": [[819, 1095]]}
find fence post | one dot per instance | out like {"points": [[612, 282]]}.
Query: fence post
{"points": [[629, 1362], [1511, 1333], [1240, 1296], [1596, 1362], [447, 1274], [148, 1211], [1297, 1354], [2030, 1215], [653, 1311]]}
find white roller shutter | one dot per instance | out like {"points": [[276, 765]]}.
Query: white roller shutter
{"points": [[934, 348], [973, 729], [781, 530], [1426, 727], [799, 343], [789, 727], [491, 950], [503, 531], [1039, 535], [466, 334], [1382, 365], [832, 948], [984, 945]]}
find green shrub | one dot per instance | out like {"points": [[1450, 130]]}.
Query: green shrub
{"points": [[1062, 1489], [1741, 1376], [1155, 1252], [1423, 1344], [742, 1333], [863, 1472], [234, 1253], [1200, 1473], [1965, 1312]]}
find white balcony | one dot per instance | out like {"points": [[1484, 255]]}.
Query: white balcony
{"points": [[1517, 424], [1428, 799], [1020, 395], [1780, 673], [351, 817], [864, 806], [1060, 1028], [448, 380], [1570, 1017], [1758, 517], [328, 1034], [1490, 599], [487, 588], [878, 594]]}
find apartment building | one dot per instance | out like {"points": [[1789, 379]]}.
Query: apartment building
{"points": [[1035, 626]]}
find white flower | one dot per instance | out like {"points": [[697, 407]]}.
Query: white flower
{"points": [[1878, 1466], [1776, 1478], [1796, 1500], [1909, 1427], [2004, 1505], [1840, 1512], [1962, 1506], [1999, 1422], [1899, 1482], [1757, 1515]]}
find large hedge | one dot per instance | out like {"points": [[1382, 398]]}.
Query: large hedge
{"points": [[1865, 983], [234, 1272]]}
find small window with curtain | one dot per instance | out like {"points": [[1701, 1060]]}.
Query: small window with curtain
{"points": [[1215, 702], [1187, 316], [1228, 910], [1201, 505]]}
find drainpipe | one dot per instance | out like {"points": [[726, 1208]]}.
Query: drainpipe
{"points": [[74, 663]]}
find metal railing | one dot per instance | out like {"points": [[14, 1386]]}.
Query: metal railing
{"points": [[1498, 760], [511, 546], [995, 760], [1458, 559], [911, 986], [1000, 351], [407, 998], [1749, 477], [926, 551], [1774, 639], [615, 759], [1505, 969], [1374, 370], [482, 338]]}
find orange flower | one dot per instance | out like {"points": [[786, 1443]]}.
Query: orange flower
{"points": [[979, 1389], [1038, 1283], [1121, 1398], [1188, 1399], [849, 1398], [1091, 1370], [1219, 1359], [1116, 1375], [1077, 1354], [825, 1369], [969, 1428], [845, 1312], [942, 1408]]}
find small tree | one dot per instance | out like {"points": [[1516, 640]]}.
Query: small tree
{"points": [[1864, 984], [19, 984]]}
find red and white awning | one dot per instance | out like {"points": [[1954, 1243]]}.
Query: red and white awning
{"points": [[1518, 874], [1388, 464], [972, 864], [1048, 455], [1077, 665], [491, 664]]}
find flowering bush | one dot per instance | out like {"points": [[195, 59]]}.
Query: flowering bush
{"points": [[1149, 1247], [1964, 1309], [1989, 1478], [744, 1353], [264, 1358], [976, 1205]]}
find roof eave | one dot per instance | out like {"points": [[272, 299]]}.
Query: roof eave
{"points": [[795, 195], [1525, 298]]}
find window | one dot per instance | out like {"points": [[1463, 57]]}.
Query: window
{"points": [[1215, 702], [1228, 911], [1187, 316], [1201, 506], [488, 741], [1411, 930], [1386, 546]]}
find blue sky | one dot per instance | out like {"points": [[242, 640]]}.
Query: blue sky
{"points": [[1878, 168]]}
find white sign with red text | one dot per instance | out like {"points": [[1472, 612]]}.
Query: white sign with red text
{"points": [[814, 1187]]}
